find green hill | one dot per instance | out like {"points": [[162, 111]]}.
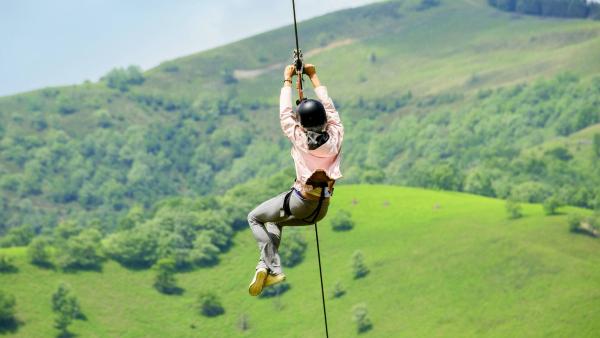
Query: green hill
{"points": [[441, 264], [449, 96]]}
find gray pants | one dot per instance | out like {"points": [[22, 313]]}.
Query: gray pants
{"points": [[267, 220]]}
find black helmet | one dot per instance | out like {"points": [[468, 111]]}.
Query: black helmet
{"points": [[311, 114]]}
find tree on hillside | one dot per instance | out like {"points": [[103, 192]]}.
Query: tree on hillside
{"points": [[446, 177], [81, 251], [243, 322], [134, 217], [133, 248], [481, 181], [103, 118], [7, 310], [66, 104], [38, 252], [359, 268], [560, 153], [6, 264], [551, 204], [574, 221], [209, 305], [18, 236], [204, 252], [66, 229], [514, 209], [122, 79], [66, 306], [292, 253], [342, 221], [228, 77], [360, 315], [338, 290], [61, 296], [164, 280]]}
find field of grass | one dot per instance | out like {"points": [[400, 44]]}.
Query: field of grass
{"points": [[442, 264]]}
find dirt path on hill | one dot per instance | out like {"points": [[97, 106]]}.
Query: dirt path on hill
{"points": [[241, 74]]}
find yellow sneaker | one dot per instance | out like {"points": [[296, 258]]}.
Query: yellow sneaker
{"points": [[258, 282], [274, 279]]}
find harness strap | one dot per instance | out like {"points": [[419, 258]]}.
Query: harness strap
{"points": [[286, 203], [315, 213]]}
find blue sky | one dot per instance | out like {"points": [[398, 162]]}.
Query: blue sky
{"points": [[45, 43]]}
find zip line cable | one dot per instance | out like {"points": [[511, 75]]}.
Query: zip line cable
{"points": [[298, 59], [299, 69], [321, 276]]}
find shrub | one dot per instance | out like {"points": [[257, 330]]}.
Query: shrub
{"points": [[38, 252], [360, 315], [9, 182], [560, 153], [122, 79], [6, 264], [7, 308], [243, 322], [359, 267], [338, 290], [103, 118], [585, 225], [66, 230], [134, 217], [170, 68], [81, 251], [373, 57], [66, 105], [531, 191], [342, 221], [18, 236], [228, 77], [372, 175], [164, 281], [574, 221], [551, 204], [204, 252], [209, 305], [514, 209], [67, 308], [133, 248], [293, 250]]}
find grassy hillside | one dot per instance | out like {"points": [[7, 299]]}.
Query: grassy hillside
{"points": [[442, 264]]}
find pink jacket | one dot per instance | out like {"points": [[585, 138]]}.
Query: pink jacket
{"points": [[327, 156]]}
